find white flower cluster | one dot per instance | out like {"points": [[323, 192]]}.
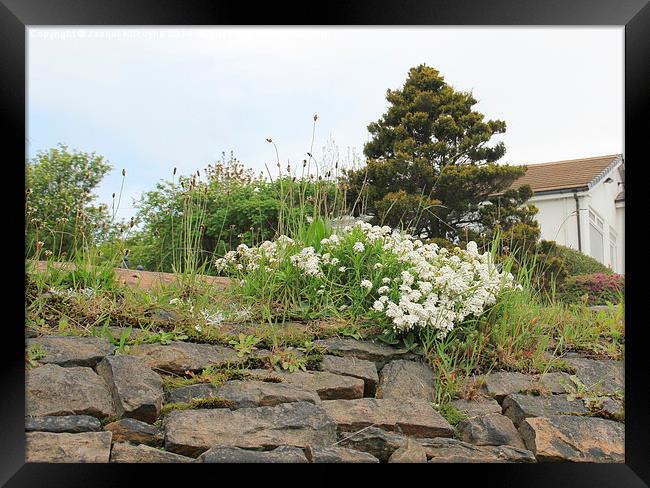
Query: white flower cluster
{"points": [[212, 318], [307, 260], [431, 288], [250, 258], [71, 293]]}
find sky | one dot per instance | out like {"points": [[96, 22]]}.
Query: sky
{"points": [[151, 99]]}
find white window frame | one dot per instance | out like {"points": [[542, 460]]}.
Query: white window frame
{"points": [[613, 248], [597, 223]]}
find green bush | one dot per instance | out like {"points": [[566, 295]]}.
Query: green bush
{"points": [[593, 289], [578, 263], [228, 207], [61, 216]]}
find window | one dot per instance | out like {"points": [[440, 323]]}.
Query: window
{"points": [[612, 248], [596, 237]]}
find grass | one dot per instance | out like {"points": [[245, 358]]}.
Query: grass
{"points": [[212, 374]]}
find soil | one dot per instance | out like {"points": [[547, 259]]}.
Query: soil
{"points": [[144, 279]]}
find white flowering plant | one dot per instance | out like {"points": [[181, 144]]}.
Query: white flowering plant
{"points": [[387, 277]]}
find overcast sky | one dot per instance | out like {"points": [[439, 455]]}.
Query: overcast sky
{"points": [[151, 99]]}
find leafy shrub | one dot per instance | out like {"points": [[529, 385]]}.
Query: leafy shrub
{"points": [[401, 210], [232, 208], [61, 217], [594, 289], [578, 263]]}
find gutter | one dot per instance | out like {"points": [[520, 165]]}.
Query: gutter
{"points": [[575, 196]]}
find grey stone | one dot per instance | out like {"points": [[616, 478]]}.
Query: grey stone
{"points": [[556, 382], [410, 416], [599, 308], [135, 431], [378, 442], [245, 394], [230, 454], [65, 423], [576, 439], [377, 352], [191, 432], [490, 430], [517, 407], [72, 350], [85, 447], [179, 357], [131, 333], [164, 317], [76, 390], [185, 394], [502, 383], [412, 452], [263, 394], [357, 368], [123, 452], [478, 407], [604, 376], [329, 386], [441, 450], [406, 379], [137, 391], [320, 454], [611, 408]]}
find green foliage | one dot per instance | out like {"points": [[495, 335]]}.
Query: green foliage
{"points": [[33, 354], [212, 374], [164, 338], [431, 170], [451, 414], [244, 344], [402, 210], [80, 277], [428, 119], [578, 263], [288, 360], [315, 232], [59, 208], [538, 264]]}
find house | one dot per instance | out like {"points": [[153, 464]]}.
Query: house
{"points": [[581, 205]]}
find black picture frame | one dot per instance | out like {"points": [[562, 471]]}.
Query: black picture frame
{"points": [[16, 15]]}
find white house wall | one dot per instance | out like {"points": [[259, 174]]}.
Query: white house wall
{"points": [[557, 218]]}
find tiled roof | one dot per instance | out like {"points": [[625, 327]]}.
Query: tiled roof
{"points": [[566, 175]]}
